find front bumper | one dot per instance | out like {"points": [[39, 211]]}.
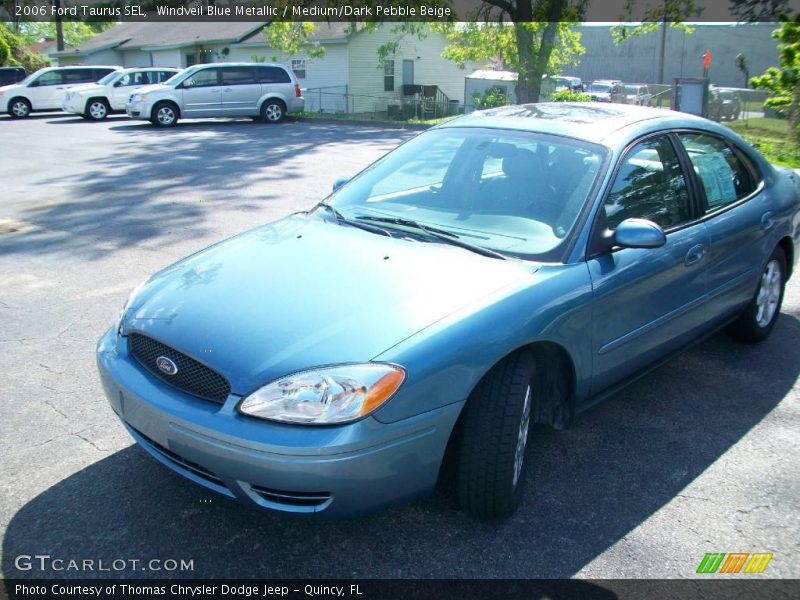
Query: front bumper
{"points": [[73, 103], [340, 471], [138, 110]]}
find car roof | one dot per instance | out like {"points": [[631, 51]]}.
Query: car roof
{"points": [[240, 64], [590, 121]]}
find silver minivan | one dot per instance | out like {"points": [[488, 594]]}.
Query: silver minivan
{"points": [[259, 90]]}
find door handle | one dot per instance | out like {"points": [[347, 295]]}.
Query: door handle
{"points": [[215, 90], [695, 255], [766, 220], [227, 90]]}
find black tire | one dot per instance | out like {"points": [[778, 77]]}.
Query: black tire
{"points": [[97, 109], [273, 111], [489, 480], [19, 108], [753, 325], [165, 114]]}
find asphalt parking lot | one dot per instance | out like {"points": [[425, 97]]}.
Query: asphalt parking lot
{"points": [[701, 456]]}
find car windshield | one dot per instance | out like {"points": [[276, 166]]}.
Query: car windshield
{"points": [[518, 193], [108, 79], [600, 87], [180, 76]]}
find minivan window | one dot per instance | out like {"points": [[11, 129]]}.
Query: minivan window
{"points": [[238, 76], [159, 76], [202, 78], [72, 76], [272, 75], [49, 78]]}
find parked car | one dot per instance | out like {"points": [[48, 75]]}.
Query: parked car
{"points": [[505, 268], [9, 75], [632, 93], [45, 89], [573, 84], [723, 104], [110, 94], [262, 90], [602, 89]]}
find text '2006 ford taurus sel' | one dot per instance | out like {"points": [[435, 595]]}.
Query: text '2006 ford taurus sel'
{"points": [[506, 268]]}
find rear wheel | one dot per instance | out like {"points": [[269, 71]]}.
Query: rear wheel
{"points": [[165, 114], [272, 111], [758, 319], [494, 435], [97, 109], [19, 108]]}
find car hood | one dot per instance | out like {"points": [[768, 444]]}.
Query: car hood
{"points": [[87, 88], [11, 88], [155, 87], [304, 292]]}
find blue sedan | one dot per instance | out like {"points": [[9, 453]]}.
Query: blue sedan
{"points": [[509, 267]]}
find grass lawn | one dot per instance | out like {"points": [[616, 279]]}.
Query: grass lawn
{"points": [[772, 138]]}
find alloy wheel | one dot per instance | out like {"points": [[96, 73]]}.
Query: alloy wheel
{"points": [[769, 294]]}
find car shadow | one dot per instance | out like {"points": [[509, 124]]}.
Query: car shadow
{"points": [[154, 184], [589, 486]]}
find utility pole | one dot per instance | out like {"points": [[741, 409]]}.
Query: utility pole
{"points": [[59, 27], [663, 46]]}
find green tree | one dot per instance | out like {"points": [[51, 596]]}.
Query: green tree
{"points": [[5, 52], [19, 53], [75, 32], [784, 80]]}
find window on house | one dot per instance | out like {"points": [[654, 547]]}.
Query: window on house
{"points": [[299, 67], [388, 76]]}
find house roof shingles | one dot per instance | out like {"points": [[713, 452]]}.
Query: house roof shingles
{"points": [[137, 34]]}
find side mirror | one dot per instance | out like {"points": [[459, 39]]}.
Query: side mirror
{"points": [[340, 182], [639, 233]]}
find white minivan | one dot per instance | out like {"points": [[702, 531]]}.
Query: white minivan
{"points": [[110, 94], [258, 90], [45, 89]]}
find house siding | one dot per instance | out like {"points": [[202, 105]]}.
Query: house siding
{"points": [[367, 79]]}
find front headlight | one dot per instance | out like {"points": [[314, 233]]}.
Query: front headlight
{"points": [[138, 97], [125, 306], [325, 396]]}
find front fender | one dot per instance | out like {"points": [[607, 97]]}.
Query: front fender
{"points": [[445, 361]]}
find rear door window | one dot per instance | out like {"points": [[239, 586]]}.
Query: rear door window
{"points": [[238, 76], [725, 178], [272, 75]]}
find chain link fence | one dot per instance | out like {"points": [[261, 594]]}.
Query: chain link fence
{"points": [[338, 100]]}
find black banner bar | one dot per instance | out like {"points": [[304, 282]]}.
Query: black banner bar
{"points": [[383, 10], [502, 589]]}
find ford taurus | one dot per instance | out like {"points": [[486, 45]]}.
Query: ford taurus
{"points": [[509, 267]]}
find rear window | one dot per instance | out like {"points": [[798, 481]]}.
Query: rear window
{"points": [[272, 75]]}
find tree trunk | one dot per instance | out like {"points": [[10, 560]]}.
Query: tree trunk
{"points": [[533, 65]]}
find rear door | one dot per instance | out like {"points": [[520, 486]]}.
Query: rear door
{"points": [[648, 302], [276, 81], [240, 91], [737, 215], [202, 94]]}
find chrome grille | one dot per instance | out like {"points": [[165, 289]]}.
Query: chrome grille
{"points": [[192, 377]]}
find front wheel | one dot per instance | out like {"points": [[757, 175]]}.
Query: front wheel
{"points": [[272, 111], [493, 439], [19, 108], [97, 110], [165, 114], [758, 319]]}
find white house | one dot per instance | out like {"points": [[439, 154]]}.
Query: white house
{"points": [[348, 78]]}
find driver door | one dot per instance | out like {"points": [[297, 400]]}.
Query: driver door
{"points": [[202, 94], [647, 302], [46, 91]]}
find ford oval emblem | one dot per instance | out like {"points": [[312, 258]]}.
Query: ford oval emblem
{"points": [[166, 366]]}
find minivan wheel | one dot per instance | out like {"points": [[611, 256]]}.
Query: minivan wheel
{"points": [[164, 114], [272, 111], [758, 319], [493, 438], [19, 108], [98, 109]]}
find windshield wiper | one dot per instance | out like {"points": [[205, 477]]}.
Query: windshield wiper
{"points": [[440, 234], [340, 218]]}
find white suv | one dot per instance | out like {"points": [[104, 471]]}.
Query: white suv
{"points": [[111, 93], [260, 90], [45, 89]]}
